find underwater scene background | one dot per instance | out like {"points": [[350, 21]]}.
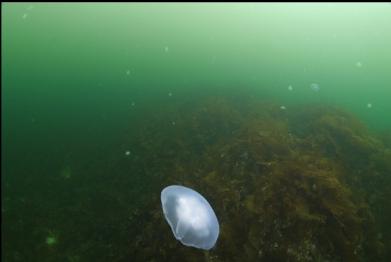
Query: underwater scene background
{"points": [[277, 113]]}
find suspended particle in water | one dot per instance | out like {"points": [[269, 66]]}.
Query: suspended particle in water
{"points": [[282, 107], [290, 88], [128, 72], [169, 94], [358, 64], [127, 152], [369, 105], [173, 123], [166, 49], [66, 173], [315, 87], [24, 16], [133, 104], [51, 240]]}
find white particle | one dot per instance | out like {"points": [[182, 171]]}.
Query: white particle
{"points": [[133, 104], [282, 107], [127, 72], [358, 64], [169, 94], [166, 49], [24, 16], [173, 123], [127, 153], [369, 105], [290, 88], [315, 87]]}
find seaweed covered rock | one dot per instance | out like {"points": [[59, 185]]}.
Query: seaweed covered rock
{"points": [[286, 186]]}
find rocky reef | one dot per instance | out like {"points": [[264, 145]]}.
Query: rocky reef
{"points": [[292, 183], [306, 184]]}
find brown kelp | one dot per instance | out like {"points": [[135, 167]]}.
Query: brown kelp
{"points": [[300, 185]]}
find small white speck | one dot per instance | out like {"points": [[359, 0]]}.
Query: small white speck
{"points": [[170, 94], [29, 7], [133, 104], [24, 16], [315, 87], [128, 72], [358, 64], [290, 88], [166, 49], [282, 107], [369, 105], [127, 152], [173, 123]]}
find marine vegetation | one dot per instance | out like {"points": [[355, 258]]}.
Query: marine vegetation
{"points": [[306, 184], [303, 183]]}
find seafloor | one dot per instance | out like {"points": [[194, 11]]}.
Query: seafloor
{"points": [[304, 183]]}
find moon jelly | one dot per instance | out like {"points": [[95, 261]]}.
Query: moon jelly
{"points": [[191, 218]]}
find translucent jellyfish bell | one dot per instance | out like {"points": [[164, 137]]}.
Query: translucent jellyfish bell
{"points": [[191, 218]]}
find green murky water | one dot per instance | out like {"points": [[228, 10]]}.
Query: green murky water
{"points": [[269, 110]]}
